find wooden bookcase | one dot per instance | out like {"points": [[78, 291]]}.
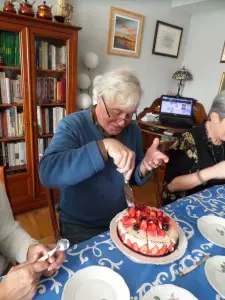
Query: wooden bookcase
{"points": [[24, 189]]}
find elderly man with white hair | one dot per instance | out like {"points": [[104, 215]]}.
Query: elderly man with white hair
{"points": [[91, 153]]}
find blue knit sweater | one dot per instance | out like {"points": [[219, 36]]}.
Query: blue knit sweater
{"points": [[91, 190]]}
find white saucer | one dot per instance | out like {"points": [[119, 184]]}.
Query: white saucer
{"points": [[214, 273], [138, 258], [213, 229], [168, 292], [96, 283]]}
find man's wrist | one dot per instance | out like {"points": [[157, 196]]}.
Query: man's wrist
{"points": [[143, 172], [103, 150]]}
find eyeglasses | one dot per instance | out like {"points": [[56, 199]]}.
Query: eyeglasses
{"points": [[117, 115]]}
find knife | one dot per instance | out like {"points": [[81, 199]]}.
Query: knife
{"points": [[193, 267], [129, 193]]}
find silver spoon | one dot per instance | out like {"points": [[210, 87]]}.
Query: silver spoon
{"points": [[62, 245]]}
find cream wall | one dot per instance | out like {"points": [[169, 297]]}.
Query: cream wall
{"points": [[154, 71], [202, 56]]}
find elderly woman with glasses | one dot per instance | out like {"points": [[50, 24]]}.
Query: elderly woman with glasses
{"points": [[93, 151]]}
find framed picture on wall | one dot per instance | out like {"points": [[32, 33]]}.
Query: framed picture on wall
{"points": [[167, 39], [125, 32], [222, 59], [222, 83]]}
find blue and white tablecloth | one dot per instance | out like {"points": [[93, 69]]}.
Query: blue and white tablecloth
{"points": [[140, 278]]}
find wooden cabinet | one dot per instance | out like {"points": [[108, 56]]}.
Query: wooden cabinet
{"points": [[45, 71]]}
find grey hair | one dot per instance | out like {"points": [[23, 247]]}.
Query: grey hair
{"points": [[120, 86], [218, 105]]}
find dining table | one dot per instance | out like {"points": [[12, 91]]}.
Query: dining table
{"points": [[140, 278]]}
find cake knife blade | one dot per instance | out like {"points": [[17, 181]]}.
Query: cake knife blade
{"points": [[129, 193]]}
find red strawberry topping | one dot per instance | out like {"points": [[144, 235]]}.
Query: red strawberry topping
{"points": [[143, 225], [160, 232], [130, 222], [138, 214], [132, 212], [153, 214], [159, 214]]}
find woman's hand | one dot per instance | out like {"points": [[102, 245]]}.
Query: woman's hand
{"points": [[21, 281], [123, 157], [54, 261]]}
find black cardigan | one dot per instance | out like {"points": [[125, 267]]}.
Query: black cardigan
{"points": [[191, 152]]}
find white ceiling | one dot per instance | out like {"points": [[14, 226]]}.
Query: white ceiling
{"points": [[198, 6]]}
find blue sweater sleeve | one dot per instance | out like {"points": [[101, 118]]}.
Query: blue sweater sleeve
{"points": [[68, 162]]}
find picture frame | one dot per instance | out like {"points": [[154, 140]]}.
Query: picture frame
{"points": [[222, 83], [222, 58], [167, 39], [125, 32]]}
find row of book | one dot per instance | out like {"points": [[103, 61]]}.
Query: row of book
{"points": [[13, 154], [10, 48], [50, 57], [11, 123], [50, 90], [48, 118], [10, 89], [43, 143]]}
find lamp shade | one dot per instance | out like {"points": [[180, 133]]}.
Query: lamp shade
{"points": [[182, 74], [84, 101], [83, 81], [91, 60]]}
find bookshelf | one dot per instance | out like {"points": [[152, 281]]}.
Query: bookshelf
{"points": [[37, 89]]}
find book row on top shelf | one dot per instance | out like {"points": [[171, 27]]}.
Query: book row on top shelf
{"points": [[10, 48]]}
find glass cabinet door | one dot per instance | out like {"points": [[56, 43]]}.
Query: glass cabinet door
{"points": [[51, 63], [12, 134], [50, 99]]}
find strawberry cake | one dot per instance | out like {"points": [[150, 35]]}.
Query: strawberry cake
{"points": [[148, 231]]}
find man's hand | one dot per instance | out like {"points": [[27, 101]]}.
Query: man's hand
{"points": [[153, 158], [54, 261], [123, 157], [21, 281]]}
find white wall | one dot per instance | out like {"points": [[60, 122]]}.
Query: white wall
{"points": [[154, 71], [202, 56]]}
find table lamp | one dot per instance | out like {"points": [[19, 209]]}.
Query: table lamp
{"points": [[182, 75]]}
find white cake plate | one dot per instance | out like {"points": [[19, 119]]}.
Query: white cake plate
{"points": [[213, 229], [215, 273], [96, 283], [168, 291], [142, 259]]}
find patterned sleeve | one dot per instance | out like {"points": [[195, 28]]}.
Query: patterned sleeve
{"points": [[183, 160]]}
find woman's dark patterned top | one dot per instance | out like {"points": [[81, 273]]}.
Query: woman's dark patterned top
{"points": [[192, 151]]}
